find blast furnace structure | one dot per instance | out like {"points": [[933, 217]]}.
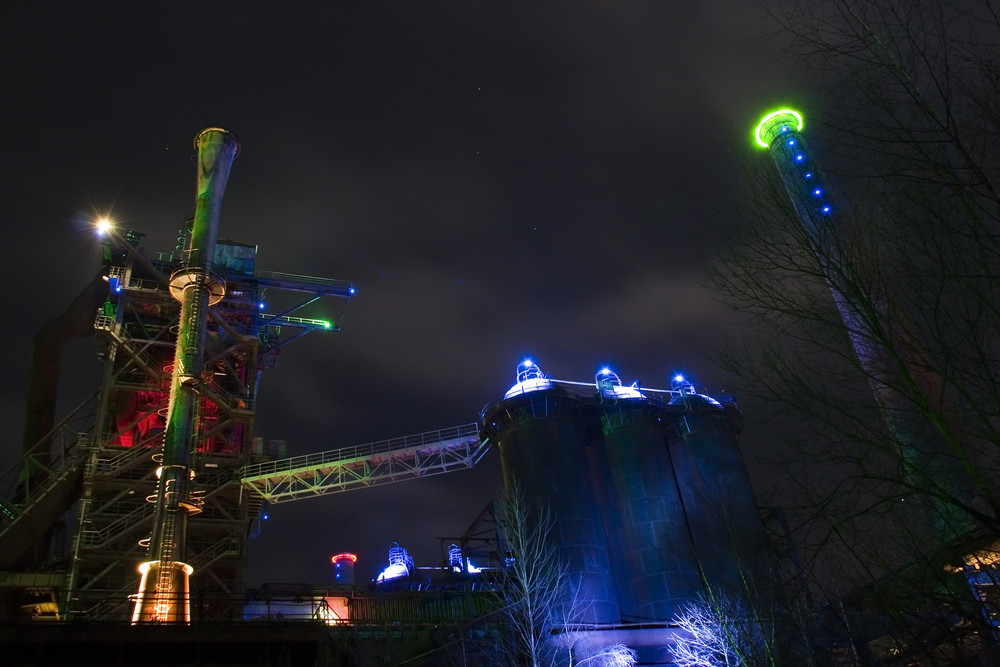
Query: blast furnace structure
{"points": [[651, 502], [153, 479]]}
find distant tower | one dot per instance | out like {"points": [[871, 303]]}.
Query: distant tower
{"points": [[455, 558], [343, 568], [928, 459]]}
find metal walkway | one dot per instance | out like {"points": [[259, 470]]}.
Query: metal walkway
{"points": [[42, 484], [382, 462], [24, 521]]}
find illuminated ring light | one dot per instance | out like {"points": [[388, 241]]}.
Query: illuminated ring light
{"points": [[344, 556], [764, 128]]}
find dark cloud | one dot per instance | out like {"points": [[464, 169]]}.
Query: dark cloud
{"points": [[498, 180]]}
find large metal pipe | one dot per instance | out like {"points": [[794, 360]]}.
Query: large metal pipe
{"points": [[163, 591]]}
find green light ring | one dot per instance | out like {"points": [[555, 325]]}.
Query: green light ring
{"points": [[769, 118]]}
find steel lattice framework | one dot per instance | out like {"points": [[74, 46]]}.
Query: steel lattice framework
{"points": [[382, 462]]}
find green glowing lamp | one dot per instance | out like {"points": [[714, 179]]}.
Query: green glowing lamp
{"points": [[771, 124]]}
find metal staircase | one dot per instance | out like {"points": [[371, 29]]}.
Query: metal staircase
{"points": [[42, 485], [116, 602]]}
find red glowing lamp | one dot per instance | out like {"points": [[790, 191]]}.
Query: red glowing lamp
{"points": [[343, 556]]}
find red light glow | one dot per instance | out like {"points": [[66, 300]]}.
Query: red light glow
{"points": [[344, 556]]}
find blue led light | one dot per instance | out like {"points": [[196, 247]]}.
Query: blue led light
{"points": [[352, 290], [826, 209], [791, 142], [678, 378], [261, 305], [784, 128], [817, 192], [809, 174], [800, 157]]}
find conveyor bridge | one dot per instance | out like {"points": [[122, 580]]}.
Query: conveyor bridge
{"points": [[374, 463], [283, 480]]}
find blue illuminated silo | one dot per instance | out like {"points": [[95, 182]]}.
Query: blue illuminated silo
{"points": [[651, 554], [722, 516], [542, 441]]}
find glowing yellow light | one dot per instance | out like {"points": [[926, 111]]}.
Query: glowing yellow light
{"points": [[780, 117], [162, 611], [103, 226]]}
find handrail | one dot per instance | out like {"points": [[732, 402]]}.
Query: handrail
{"points": [[97, 538], [12, 513], [134, 283], [390, 446], [104, 466], [228, 545], [35, 453], [293, 277], [225, 399]]}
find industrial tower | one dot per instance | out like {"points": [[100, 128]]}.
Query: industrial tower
{"points": [[651, 499], [871, 324], [900, 381], [185, 338]]}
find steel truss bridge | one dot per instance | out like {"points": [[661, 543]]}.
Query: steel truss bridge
{"points": [[283, 480], [371, 464]]}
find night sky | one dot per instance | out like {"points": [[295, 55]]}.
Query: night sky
{"points": [[497, 179]]}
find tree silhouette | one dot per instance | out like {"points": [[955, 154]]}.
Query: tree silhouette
{"points": [[906, 118], [539, 598]]}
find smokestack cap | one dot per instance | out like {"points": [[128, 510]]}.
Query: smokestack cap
{"points": [[233, 136]]}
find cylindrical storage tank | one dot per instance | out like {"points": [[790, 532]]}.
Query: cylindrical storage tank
{"points": [[727, 531], [651, 554], [542, 446]]}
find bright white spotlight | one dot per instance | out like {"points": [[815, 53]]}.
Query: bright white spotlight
{"points": [[103, 226]]}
